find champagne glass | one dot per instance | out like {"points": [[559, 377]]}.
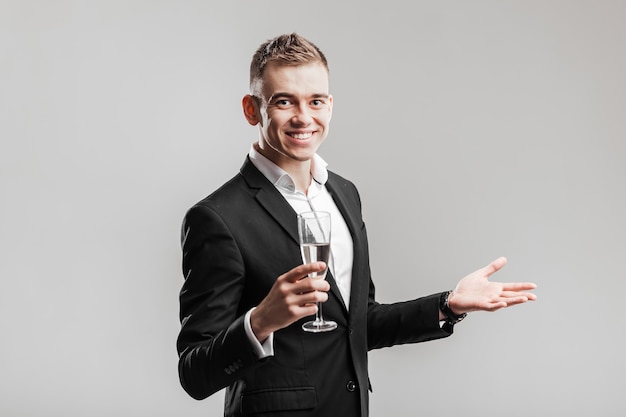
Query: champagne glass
{"points": [[314, 233]]}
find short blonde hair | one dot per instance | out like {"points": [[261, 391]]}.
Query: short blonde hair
{"points": [[288, 49]]}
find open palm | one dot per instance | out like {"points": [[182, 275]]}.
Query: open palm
{"points": [[475, 292]]}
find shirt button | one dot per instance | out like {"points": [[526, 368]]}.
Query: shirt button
{"points": [[351, 386]]}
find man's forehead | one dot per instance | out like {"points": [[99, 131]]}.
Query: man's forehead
{"points": [[294, 77]]}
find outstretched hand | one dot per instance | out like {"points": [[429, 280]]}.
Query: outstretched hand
{"points": [[475, 292]]}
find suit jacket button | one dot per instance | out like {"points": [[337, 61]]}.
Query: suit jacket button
{"points": [[351, 386]]}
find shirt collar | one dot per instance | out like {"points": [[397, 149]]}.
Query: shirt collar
{"points": [[280, 178]]}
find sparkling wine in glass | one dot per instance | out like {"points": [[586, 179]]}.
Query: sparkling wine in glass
{"points": [[314, 233]]}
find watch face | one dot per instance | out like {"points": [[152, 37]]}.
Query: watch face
{"points": [[461, 317]]}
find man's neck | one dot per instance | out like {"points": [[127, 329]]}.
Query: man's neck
{"points": [[301, 176], [299, 171]]}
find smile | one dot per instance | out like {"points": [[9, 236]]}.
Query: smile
{"points": [[301, 136]]}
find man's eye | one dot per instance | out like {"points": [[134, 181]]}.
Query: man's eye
{"points": [[317, 102], [283, 102]]}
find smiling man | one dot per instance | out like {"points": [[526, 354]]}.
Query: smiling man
{"points": [[246, 292], [292, 106]]}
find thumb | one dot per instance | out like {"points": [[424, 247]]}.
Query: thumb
{"points": [[302, 271], [494, 266]]}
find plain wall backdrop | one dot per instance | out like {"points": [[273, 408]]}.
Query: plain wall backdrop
{"points": [[473, 129]]}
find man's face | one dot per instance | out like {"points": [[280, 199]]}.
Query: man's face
{"points": [[294, 110]]}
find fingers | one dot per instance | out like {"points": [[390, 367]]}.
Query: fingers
{"points": [[292, 297], [309, 285], [507, 299], [493, 306], [302, 271], [519, 290], [518, 296], [305, 299], [299, 290], [519, 286]]}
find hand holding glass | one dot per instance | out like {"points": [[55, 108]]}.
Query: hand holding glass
{"points": [[314, 233]]}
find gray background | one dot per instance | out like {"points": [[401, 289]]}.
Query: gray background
{"points": [[473, 129]]}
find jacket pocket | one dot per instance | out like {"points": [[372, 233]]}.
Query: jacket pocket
{"points": [[278, 399]]}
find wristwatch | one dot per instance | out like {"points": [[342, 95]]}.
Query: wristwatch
{"points": [[451, 318]]}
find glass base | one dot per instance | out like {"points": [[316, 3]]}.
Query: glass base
{"points": [[319, 326]]}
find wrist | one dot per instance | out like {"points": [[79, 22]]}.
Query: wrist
{"points": [[256, 325], [261, 349], [446, 311], [452, 304]]}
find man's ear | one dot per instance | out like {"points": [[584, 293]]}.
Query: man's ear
{"points": [[250, 109], [330, 107]]}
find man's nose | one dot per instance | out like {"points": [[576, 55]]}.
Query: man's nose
{"points": [[302, 115]]}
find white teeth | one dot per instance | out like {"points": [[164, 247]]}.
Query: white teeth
{"points": [[302, 135]]}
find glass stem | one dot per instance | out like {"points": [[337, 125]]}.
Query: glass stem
{"points": [[318, 315]]}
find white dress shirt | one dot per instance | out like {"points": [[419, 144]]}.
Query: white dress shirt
{"points": [[317, 199]]}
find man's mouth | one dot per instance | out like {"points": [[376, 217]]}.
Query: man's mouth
{"points": [[301, 136]]}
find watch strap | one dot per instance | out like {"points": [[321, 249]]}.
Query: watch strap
{"points": [[451, 317]]}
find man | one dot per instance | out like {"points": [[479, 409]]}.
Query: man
{"points": [[246, 292]]}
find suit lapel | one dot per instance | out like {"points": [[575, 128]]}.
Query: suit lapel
{"points": [[351, 213], [272, 201]]}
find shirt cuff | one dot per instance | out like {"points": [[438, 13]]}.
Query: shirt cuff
{"points": [[262, 350]]}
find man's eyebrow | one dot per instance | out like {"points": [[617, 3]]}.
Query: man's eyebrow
{"points": [[281, 95]]}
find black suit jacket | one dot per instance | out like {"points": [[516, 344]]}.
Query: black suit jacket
{"points": [[236, 242]]}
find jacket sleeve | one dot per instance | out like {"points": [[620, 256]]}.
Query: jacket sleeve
{"points": [[404, 322], [212, 345]]}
